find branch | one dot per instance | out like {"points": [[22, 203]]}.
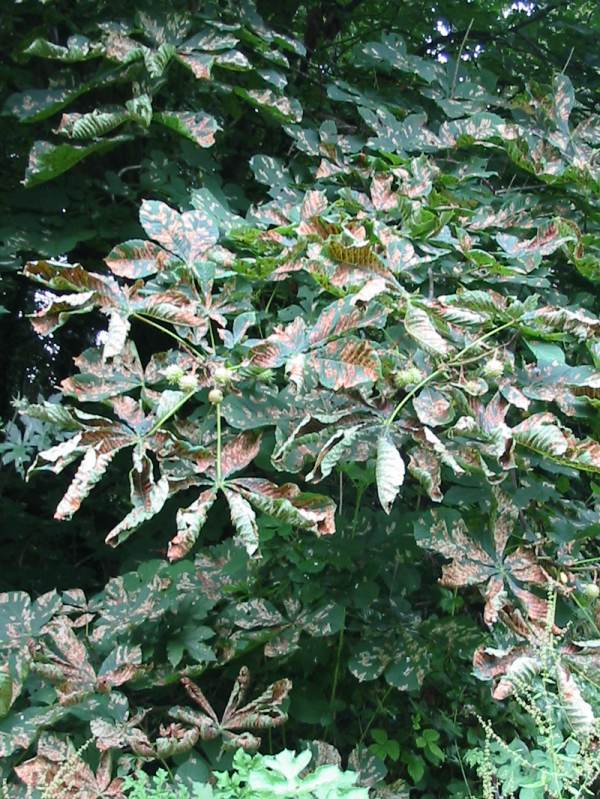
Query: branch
{"points": [[490, 36]]}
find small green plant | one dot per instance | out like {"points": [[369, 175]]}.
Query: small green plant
{"points": [[561, 759], [384, 747], [160, 786], [255, 777]]}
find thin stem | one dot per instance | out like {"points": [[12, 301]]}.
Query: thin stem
{"points": [[454, 362], [212, 337], [380, 703], [168, 332], [172, 412], [336, 672], [219, 466], [460, 52], [359, 495], [586, 613]]}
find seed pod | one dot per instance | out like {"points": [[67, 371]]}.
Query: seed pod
{"points": [[408, 377], [173, 373], [590, 591], [493, 369], [222, 375], [188, 383]]}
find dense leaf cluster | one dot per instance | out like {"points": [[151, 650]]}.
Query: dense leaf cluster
{"points": [[392, 358]]}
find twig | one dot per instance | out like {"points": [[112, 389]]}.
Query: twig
{"points": [[459, 56]]}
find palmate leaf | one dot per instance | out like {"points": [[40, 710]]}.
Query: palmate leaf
{"points": [[117, 302], [61, 658], [517, 668], [445, 531], [22, 619], [401, 658], [307, 511], [19, 730], [324, 352], [262, 713], [117, 735], [77, 780], [259, 620], [98, 440]]}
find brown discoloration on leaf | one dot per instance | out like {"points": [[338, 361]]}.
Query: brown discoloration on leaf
{"points": [[190, 521], [262, 713], [63, 661], [75, 780], [279, 346], [199, 63], [308, 511], [240, 452], [425, 467], [244, 521], [432, 407], [384, 199], [344, 315], [345, 364], [199, 127], [472, 564], [90, 471], [314, 204], [137, 258], [99, 380], [188, 235]]}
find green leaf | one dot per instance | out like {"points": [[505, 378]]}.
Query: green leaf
{"points": [[92, 125], [198, 127], [47, 161], [78, 48]]}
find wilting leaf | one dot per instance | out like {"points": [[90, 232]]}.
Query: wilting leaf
{"points": [[190, 521], [390, 472], [244, 521], [262, 713], [286, 503], [420, 327]]}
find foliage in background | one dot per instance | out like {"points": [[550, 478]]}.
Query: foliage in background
{"points": [[387, 355]]}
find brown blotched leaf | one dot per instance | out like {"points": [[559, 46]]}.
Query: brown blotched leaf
{"points": [[262, 713], [472, 564]]}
